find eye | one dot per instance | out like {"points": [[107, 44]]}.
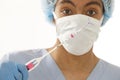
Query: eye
{"points": [[91, 12], [66, 11]]}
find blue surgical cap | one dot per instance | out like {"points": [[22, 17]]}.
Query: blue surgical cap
{"points": [[49, 5]]}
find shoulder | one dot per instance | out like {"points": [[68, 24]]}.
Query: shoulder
{"points": [[111, 71], [24, 56]]}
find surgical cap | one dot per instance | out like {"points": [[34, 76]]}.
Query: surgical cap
{"points": [[49, 5]]}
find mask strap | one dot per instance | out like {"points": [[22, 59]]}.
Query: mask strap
{"points": [[101, 20], [54, 48], [55, 15]]}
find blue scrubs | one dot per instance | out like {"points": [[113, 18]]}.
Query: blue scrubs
{"points": [[48, 69]]}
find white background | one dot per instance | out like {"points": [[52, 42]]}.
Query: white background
{"points": [[23, 27]]}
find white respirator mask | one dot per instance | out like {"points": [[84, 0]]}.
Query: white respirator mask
{"points": [[77, 33]]}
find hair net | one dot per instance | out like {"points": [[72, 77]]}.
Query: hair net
{"points": [[49, 5]]}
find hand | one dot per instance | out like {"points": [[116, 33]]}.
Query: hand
{"points": [[13, 71]]}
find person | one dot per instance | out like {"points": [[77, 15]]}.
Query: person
{"points": [[78, 25]]}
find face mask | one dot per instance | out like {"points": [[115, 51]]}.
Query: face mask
{"points": [[77, 33]]}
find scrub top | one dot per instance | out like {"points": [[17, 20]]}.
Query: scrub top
{"points": [[49, 70]]}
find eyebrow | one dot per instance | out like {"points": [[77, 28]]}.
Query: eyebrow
{"points": [[93, 3], [68, 2], [88, 4]]}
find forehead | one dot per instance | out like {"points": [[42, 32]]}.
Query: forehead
{"points": [[81, 2]]}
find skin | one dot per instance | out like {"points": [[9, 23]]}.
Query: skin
{"points": [[76, 67]]}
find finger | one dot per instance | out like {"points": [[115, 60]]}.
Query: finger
{"points": [[23, 70], [14, 71]]}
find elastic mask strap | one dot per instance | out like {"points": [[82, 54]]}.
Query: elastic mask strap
{"points": [[51, 50], [101, 20], [55, 15], [54, 48]]}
